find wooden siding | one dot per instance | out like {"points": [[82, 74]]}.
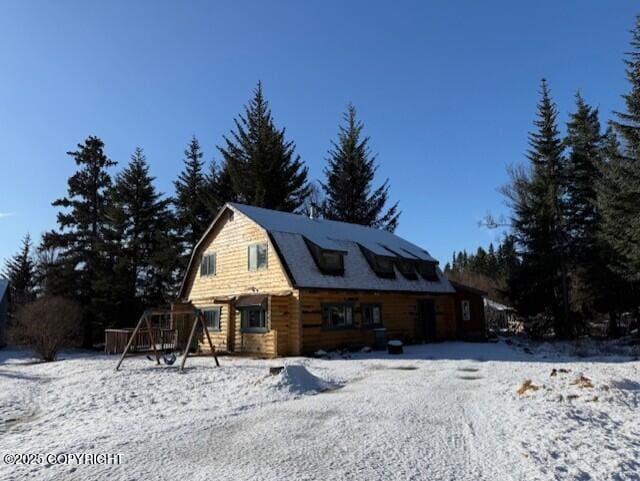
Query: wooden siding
{"points": [[276, 341], [219, 338], [399, 317], [230, 240], [474, 329]]}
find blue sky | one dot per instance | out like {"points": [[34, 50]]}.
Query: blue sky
{"points": [[446, 89]]}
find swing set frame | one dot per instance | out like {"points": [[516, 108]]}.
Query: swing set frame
{"points": [[198, 319]]}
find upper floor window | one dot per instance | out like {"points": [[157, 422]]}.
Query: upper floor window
{"points": [[208, 265], [212, 318], [428, 270], [381, 265], [328, 261], [406, 268], [258, 256]]}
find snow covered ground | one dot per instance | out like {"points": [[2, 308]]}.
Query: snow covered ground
{"points": [[445, 411]]}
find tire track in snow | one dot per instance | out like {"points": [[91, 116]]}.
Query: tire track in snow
{"points": [[435, 433]]}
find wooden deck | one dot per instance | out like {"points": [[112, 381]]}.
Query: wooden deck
{"points": [[115, 340]]}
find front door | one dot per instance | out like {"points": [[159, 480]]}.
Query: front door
{"points": [[426, 321]]}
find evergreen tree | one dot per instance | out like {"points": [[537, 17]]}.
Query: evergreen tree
{"points": [[582, 175], [262, 165], [141, 241], [621, 201], [613, 277], [191, 199], [81, 236], [492, 267], [349, 177], [536, 199], [218, 189], [20, 271]]}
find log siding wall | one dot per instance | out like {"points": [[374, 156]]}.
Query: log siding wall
{"points": [[230, 240], [399, 317], [294, 319]]}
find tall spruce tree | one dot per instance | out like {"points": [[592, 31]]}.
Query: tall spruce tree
{"points": [[218, 189], [142, 241], [621, 201], [261, 164], [20, 271], [80, 239], [349, 195], [536, 199], [191, 199], [582, 218]]}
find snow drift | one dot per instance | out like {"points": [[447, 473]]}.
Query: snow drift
{"points": [[297, 379]]}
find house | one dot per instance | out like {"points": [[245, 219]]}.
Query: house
{"points": [[278, 284], [500, 319], [4, 309]]}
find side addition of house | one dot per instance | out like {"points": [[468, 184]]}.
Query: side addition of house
{"points": [[278, 284]]}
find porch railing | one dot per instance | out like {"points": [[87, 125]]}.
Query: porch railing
{"points": [[116, 340]]}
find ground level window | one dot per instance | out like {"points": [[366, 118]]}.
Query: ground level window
{"points": [[336, 316], [253, 319], [371, 315], [466, 311], [212, 318]]}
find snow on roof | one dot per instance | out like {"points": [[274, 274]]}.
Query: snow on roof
{"points": [[4, 284], [496, 305], [287, 231], [327, 233]]}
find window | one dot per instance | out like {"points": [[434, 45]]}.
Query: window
{"points": [[406, 268], [253, 319], [328, 261], [208, 265], [337, 316], [212, 318], [257, 257], [371, 315], [466, 311], [381, 265], [428, 270]]}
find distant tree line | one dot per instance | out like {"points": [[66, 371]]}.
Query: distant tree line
{"points": [[121, 245], [575, 217], [486, 269]]}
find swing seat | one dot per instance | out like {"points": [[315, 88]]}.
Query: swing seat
{"points": [[169, 359]]}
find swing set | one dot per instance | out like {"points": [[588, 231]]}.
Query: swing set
{"points": [[167, 337]]}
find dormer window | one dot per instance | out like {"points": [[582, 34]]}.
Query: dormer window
{"points": [[381, 265], [407, 268], [428, 270], [329, 262]]}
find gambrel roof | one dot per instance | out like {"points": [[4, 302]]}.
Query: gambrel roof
{"points": [[288, 232]]}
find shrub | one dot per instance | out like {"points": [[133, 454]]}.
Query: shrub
{"points": [[47, 325]]}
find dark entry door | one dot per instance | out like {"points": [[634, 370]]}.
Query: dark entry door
{"points": [[426, 321]]}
